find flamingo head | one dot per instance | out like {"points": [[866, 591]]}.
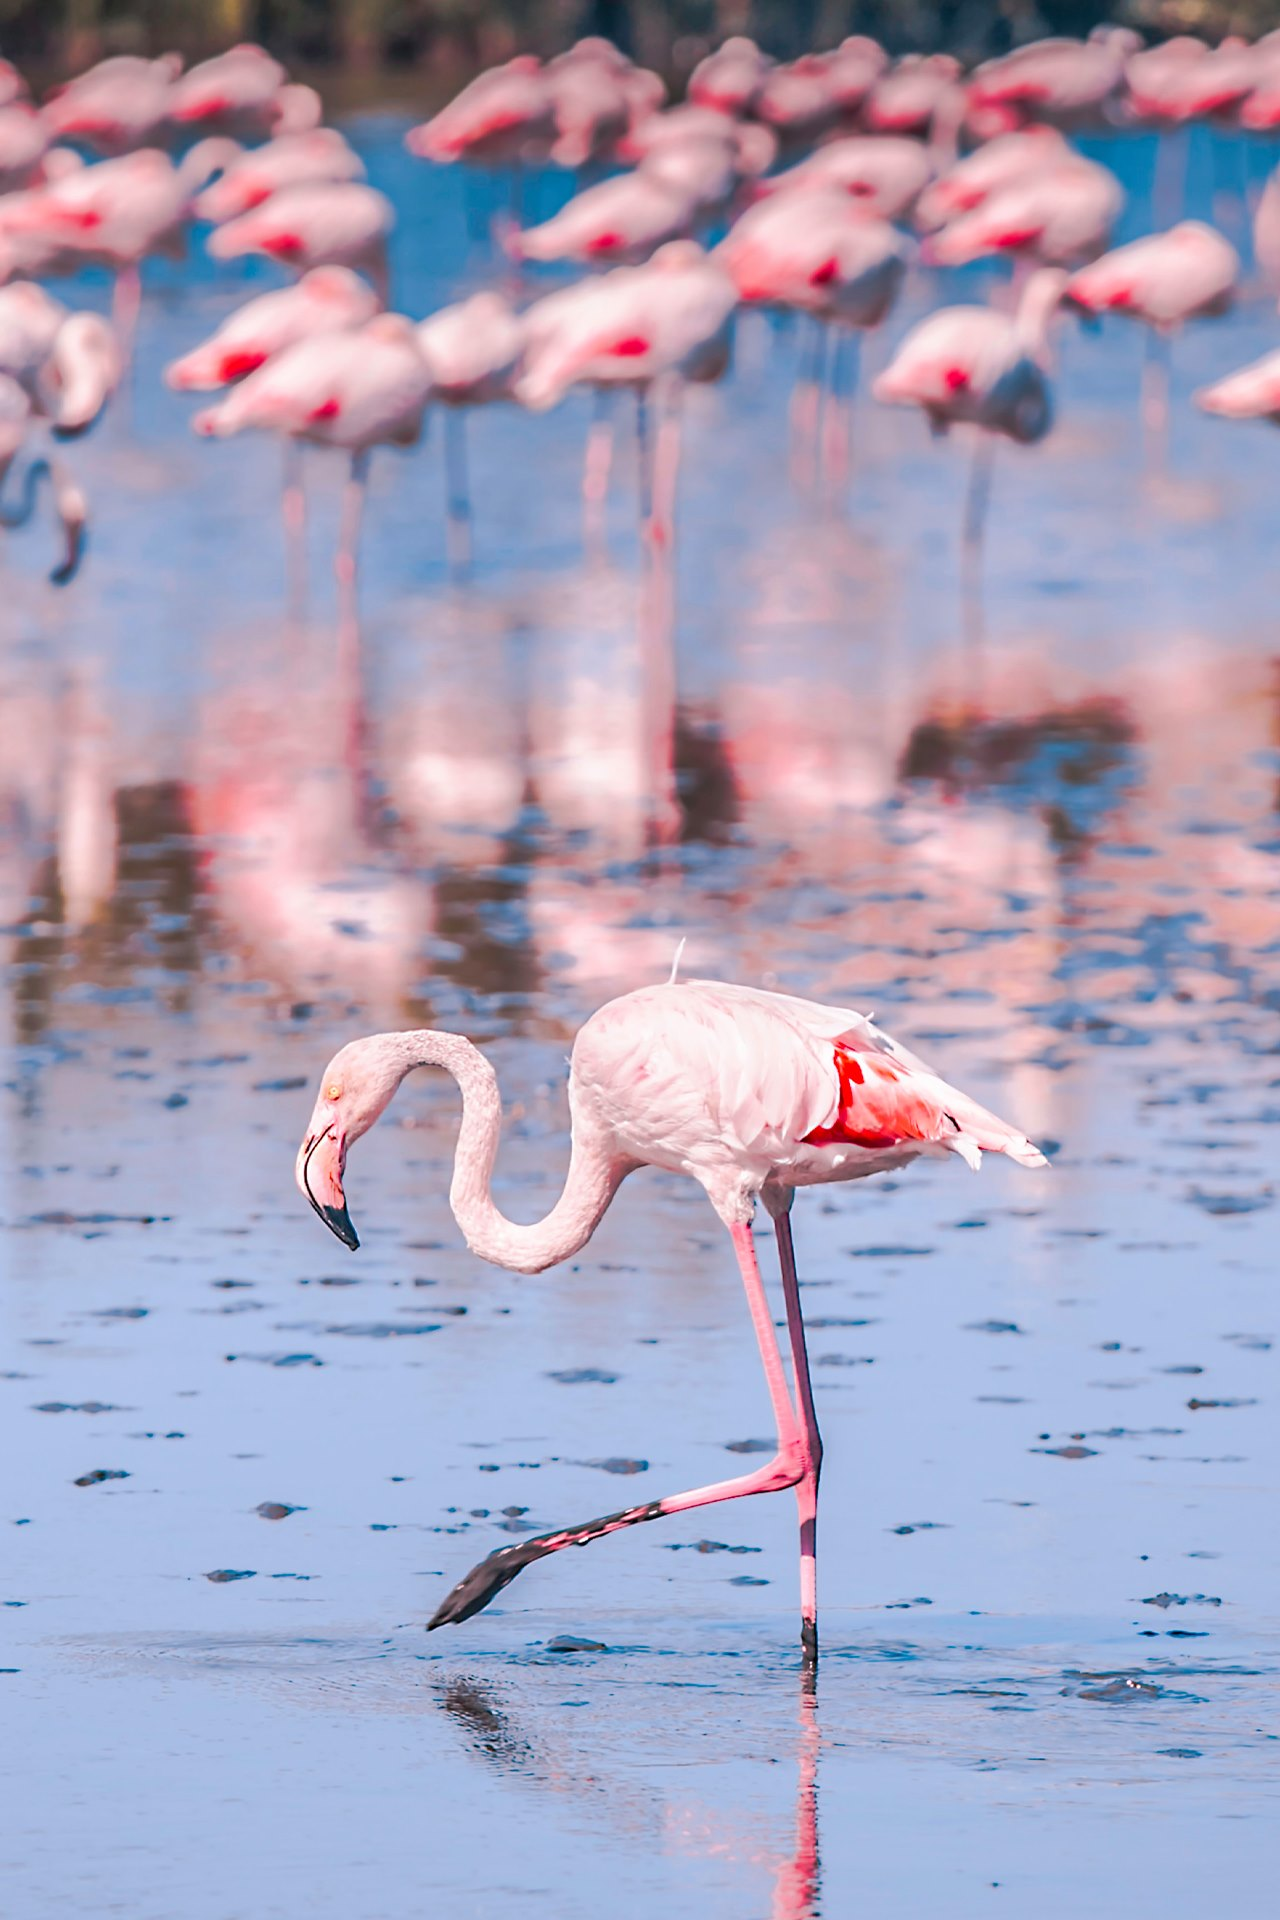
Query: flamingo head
{"points": [[358, 1085]]}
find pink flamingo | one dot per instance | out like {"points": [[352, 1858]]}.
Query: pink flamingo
{"points": [[1062, 81], [293, 159], [668, 321], [57, 369], [24, 141], [818, 253], [729, 80], [1062, 215], [1005, 162], [1164, 280], [914, 92], [1252, 393], [354, 391], [592, 104], [504, 117], [752, 1095], [473, 349], [116, 214], [325, 300], [314, 224], [752, 148], [242, 92], [852, 70], [619, 221], [798, 101], [974, 366], [884, 173], [115, 106]]}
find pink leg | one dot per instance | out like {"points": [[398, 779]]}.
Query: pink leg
{"points": [[596, 468], [811, 1440], [806, 400], [293, 507], [126, 300], [784, 1470]]}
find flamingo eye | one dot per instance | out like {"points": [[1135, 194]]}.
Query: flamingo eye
{"points": [[333, 1092]]}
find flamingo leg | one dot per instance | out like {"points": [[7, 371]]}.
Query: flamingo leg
{"points": [[811, 1441], [837, 412], [1155, 396], [457, 491], [657, 620], [126, 301], [977, 497], [786, 1469], [596, 467], [805, 402], [293, 510], [352, 516]]}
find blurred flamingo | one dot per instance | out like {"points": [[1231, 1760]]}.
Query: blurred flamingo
{"points": [[242, 92], [972, 365], [817, 253], [1164, 280], [325, 300], [752, 1095], [115, 106], [291, 160], [316, 223], [353, 391], [473, 349], [884, 173]]}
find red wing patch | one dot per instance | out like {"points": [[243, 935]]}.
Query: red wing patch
{"points": [[956, 379], [823, 276], [1015, 237], [327, 410], [283, 244], [631, 348], [605, 243], [235, 365], [879, 1106]]}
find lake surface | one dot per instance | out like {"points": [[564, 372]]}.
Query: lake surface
{"points": [[1048, 858]]}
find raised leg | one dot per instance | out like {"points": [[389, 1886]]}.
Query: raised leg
{"points": [[785, 1469], [811, 1442], [458, 492]]}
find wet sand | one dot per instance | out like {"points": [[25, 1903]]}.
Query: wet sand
{"points": [[1048, 1556]]}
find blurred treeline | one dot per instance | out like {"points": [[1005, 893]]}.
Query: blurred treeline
{"points": [[446, 40]]}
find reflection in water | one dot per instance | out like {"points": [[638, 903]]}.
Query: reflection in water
{"points": [[489, 1726]]}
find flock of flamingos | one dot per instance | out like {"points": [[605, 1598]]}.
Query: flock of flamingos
{"points": [[824, 177]]}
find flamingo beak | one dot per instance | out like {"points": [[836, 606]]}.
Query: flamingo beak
{"points": [[321, 1159]]}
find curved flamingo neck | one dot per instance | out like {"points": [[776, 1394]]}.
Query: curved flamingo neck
{"points": [[593, 1178]]}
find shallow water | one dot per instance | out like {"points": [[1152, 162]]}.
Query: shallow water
{"points": [[1049, 1559]]}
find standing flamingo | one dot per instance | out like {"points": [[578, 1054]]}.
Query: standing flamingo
{"points": [[884, 173], [1164, 279], [473, 349], [752, 1094], [618, 222], [353, 391], [818, 253], [1251, 393], [115, 106], [326, 300], [117, 214], [291, 160], [974, 366], [317, 223]]}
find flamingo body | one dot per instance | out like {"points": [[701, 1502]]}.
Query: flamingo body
{"points": [[818, 253], [1061, 216], [619, 221], [751, 1094], [884, 173], [292, 159], [313, 224], [1164, 278], [353, 390], [325, 300], [974, 366]]}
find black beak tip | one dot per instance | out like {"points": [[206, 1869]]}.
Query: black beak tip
{"points": [[338, 1221]]}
